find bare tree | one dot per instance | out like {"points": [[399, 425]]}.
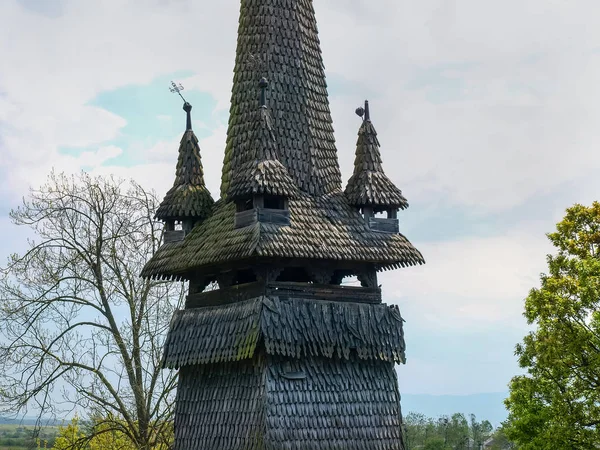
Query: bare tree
{"points": [[79, 329]]}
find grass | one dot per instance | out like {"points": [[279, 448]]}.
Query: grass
{"points": [[18, 437]]}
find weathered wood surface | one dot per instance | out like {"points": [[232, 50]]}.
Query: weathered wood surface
{"points": [[384, 225], [369, 185], [245, 218], [276, 216], [263, 215], [189, 197], [284, 290], [233, 294], [174, 236], [337, 405], [294, 327]]}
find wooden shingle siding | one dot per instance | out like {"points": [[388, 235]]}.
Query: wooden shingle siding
{"points": [[256, 167], [341, 404], [221, 406], [255, 405]]}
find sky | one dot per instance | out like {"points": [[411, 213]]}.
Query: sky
{"points": [[486, 112]]}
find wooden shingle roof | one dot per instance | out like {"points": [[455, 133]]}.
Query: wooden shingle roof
{"points": [[256, 168], [325, 228], [189, 197], [288, 149], [278, 40], [369, 185]]}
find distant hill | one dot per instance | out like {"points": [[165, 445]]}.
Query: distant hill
{"points": [[487, 406], [29, 421]]}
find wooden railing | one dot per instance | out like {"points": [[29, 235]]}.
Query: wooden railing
{"points": [[284, 290], [265, 215], [174, 236], [384, 225]]}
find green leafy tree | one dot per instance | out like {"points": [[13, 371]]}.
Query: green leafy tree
{"points": [[415, 425], [79, 329], [556, 404], [435, 443], [480, 431], [457, 432], [70, 437]]}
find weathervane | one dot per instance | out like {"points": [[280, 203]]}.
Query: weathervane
{"points": [[177, 88], [186, 106]]}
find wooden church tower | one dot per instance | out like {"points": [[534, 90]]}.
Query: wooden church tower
{"points": [[283, 355]]}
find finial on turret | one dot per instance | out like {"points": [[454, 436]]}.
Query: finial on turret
{"points": [[263, 84], [364, 112], [188, 109], [177, 88]]}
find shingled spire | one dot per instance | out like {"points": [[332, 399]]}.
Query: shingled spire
{"points": [[188, 201], [279, 353], [257, 169], [278, 40], [369, 186]]}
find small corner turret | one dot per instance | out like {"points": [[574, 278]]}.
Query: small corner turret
{"points": [[188, 202], [369, 188], [260, 185]]}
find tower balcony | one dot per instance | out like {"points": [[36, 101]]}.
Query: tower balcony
{"points": [[284, 290]]}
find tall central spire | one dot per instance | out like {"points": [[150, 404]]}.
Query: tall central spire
{"points": [[278, 40]]}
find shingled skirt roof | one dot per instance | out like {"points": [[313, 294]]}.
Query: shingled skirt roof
{"points": [[290, 374], [325, 228], [295, 328]]}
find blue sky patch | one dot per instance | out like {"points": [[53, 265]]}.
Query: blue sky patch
{"points": [[153, 114]]}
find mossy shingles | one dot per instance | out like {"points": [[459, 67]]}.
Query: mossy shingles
{"points": [[369, 185], [189, 197], [296, 328]]}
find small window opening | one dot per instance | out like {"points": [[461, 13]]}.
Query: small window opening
{"points": [[244, 276], [294, 274], [274, 202], [244, 205]]}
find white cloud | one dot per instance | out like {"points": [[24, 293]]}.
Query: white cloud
{"points": [[471, 283], [479, 106], [523, 113], [527, 98]]}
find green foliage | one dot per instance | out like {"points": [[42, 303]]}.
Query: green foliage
{"points": [[103, 434], [20, 437], [556, 405], [445, 433]]}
